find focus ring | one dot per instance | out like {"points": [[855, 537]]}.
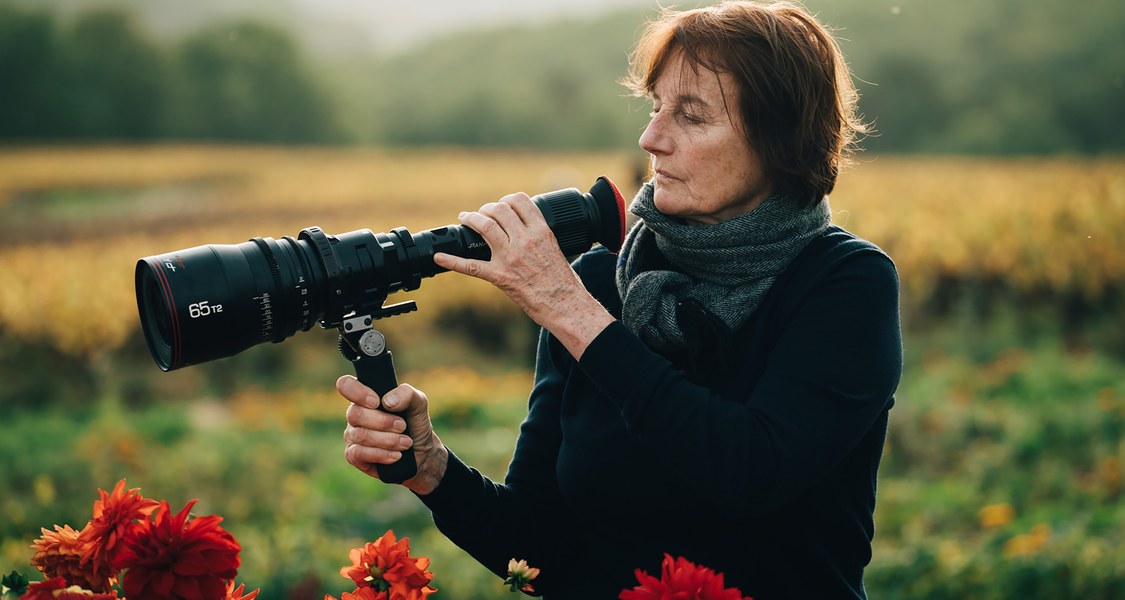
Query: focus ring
{"points": [[269, 327]]}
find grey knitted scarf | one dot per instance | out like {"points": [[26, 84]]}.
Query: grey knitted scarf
{"points": [[727, 267]]}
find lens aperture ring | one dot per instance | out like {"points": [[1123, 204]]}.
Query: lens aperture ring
{"points": [[303, 282], [334, 311]]}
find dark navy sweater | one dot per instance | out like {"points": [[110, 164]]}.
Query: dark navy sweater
{"points": [[753, 454]]}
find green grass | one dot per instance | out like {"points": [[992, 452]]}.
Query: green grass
{"points": [[1037, 429]]}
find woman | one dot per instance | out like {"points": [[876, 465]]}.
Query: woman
{"points": [[719, 390]]}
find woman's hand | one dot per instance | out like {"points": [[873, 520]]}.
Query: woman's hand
{"points": [[375, 437], [528, 266]]}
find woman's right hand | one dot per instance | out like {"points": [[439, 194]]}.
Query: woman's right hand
{"points": [[374, 436]]}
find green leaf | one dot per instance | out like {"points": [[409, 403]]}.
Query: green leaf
{"points": [[14, 584]]}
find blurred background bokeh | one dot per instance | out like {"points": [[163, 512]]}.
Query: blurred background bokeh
{"points": [[996, 181]]}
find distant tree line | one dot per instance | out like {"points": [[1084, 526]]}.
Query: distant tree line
{"points": [[101, 77], [1003, 77]]}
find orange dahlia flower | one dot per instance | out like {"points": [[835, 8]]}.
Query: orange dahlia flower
{"points": [[363, 593], [114, 513], [170, 557], [62, 553], [239, 593], [386, 565]]}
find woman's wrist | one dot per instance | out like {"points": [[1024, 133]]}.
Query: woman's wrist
{"points": [[576, 324], [431, 470]]}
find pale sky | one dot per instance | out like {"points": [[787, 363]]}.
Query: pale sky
{"points": [[364, 25], [393, 24]]}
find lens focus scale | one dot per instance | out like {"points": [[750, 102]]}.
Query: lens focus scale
{"points": [[268, 331]]}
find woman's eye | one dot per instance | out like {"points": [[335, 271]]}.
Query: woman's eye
{"points": [[691, 118], [680, 114]]}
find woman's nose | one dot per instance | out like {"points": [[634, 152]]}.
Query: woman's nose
{"points": [[654, 139]]}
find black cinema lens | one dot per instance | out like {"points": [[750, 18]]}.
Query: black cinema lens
{"points": [[217, 300]]}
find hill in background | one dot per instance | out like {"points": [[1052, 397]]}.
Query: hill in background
{"points": [[1005, 77]]}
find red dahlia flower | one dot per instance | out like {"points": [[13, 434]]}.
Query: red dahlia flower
{"points": [[170, 557], [57, 589], [114, 513], [386, 565], [681, 579]]}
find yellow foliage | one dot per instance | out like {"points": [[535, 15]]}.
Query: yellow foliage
{"points": [[952, 554], [1029, 543], [1034, 224], [996, 515], [449, 389], [74, 287], [1111, 474], [44, 488]]}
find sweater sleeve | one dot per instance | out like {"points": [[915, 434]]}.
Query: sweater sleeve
{"points": [[831, 373], [523, 518]]}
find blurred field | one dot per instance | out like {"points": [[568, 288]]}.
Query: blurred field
{"points": [[1035, 229], [1004, 468]]}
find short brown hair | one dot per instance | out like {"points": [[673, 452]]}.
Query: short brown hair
{"points": [[796, 97]]}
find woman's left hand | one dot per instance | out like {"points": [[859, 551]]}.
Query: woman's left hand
{"points": [[528, 266]]}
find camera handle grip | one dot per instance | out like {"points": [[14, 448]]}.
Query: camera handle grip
{"points": [[375, 368]]}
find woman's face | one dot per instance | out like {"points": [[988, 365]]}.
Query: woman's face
{"points": [[704, 168]]}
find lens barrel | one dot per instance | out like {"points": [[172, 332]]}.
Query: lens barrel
{"points": [[214, 301]]}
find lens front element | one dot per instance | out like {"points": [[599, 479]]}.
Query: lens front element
{"points": [[215, 301]]}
